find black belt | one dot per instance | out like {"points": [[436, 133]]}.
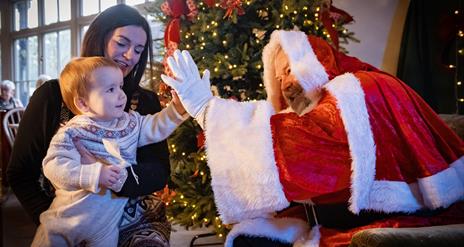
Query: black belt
{"points": [[338, 216]]}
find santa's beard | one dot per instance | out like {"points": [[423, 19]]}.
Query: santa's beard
{"points": [[296, 99]]}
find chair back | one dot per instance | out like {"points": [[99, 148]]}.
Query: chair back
{"points": [[11, 123]]}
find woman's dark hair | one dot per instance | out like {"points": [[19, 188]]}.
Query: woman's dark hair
{"points": [[94, 43]]}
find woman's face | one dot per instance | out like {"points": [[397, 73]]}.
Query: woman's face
{"points": [[125, 46]]}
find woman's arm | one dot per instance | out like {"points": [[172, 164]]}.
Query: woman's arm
{"points": [[153, 168], [37, 126]]}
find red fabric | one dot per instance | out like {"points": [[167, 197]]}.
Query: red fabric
{"points": [[411, 141], [335, 62], [318, 161]]}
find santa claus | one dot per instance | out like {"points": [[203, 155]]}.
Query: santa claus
{"points": [[354, 145]]}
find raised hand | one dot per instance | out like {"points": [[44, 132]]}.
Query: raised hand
{"points": [[194, 91]]}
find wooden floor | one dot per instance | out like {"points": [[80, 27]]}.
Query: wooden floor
{"points": [[17, 229]]}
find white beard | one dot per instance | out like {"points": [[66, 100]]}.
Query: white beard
{"points": [[299, 103]]}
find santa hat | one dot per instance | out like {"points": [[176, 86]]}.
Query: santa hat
{"points": [[311, 61]]}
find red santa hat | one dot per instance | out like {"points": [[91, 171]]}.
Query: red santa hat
{"points": [[311, 61]]}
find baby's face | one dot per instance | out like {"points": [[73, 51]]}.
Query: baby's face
{"points": [[105, 99]]}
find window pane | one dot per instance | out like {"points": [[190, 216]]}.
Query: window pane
{"points": [[50, 56], [51, 11], [83, 31], [107, 3], [65, 10], [65, 48], [25, 14], [134, 2], [26, 66], [89, 7]]}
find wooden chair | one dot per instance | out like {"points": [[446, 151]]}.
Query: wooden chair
{"points": [[11, 123]]}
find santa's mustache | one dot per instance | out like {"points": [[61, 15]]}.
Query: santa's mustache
{"points": [[296, 99]]}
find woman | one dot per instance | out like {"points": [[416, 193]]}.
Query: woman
{"points": [[7, 99], [123, 35]]}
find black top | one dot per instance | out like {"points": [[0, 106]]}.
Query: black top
{"points": [[40, 122]]}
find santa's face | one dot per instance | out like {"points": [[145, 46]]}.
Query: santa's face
{"points": [[291, 89]]}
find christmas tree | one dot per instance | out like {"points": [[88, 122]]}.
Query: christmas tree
{"points": [[227, 37]]}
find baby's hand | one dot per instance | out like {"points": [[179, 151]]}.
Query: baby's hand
{"points": [[109, 175], [177, 104]]}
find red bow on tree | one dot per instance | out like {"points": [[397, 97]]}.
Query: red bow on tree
{"points": [[230, 6], [329, 14], [175, 9]]}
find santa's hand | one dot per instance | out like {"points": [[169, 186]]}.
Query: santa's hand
{"points": [[194, 91]]}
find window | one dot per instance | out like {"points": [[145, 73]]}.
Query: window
{"points": [[57, 11], [40, 36], [90, 7], [26, 66], [25, 14], [57, 52], [134, 2]]}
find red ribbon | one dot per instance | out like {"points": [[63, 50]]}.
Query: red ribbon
{"points": [[176, 9], [331, 14], [230, 6]]}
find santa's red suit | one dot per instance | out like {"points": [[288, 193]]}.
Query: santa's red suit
{"points": [[366, 139]]}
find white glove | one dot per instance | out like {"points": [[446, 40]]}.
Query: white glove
{"points": [[194, 92]]}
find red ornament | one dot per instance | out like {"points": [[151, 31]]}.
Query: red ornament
{"points": [[201, 139]]}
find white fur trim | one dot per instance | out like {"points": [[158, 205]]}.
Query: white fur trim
{"points": [[303, 62], [312, 239], [393, 196], [245, 178], [443, 188], [347, 90], [286, 230]]}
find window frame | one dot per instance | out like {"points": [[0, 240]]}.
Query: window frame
{"points": [[75, 25]]}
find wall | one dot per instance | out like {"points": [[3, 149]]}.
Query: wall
{"points": [[379, 26]]}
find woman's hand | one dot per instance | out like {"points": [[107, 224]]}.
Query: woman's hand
{"points": [[86, 156]]}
